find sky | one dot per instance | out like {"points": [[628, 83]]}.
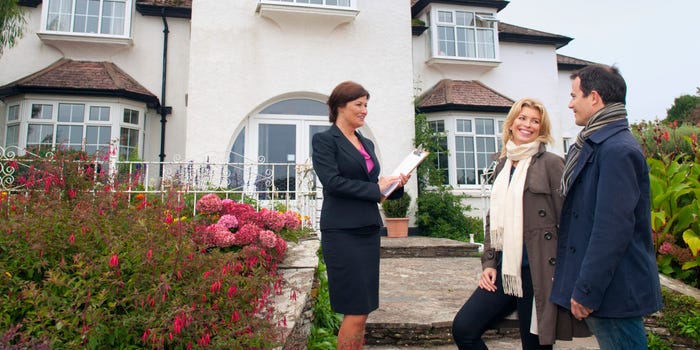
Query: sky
{"points": [[653, 43]]}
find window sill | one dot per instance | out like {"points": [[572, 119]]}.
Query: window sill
{"points": [[54, 38], [463, 61], [278, 11]]}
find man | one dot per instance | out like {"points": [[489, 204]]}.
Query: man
{"points": [[606, 269]]}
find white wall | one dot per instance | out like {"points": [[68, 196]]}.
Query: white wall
{"points": [[250, 60]]}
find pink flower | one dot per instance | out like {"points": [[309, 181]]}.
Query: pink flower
{"points": [[281, 246], [228, 221], [71, 238], [209, 204], [267, 238], [666, 248], [247, 234], [292, 220]]}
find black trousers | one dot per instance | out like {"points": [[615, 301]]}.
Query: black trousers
{"points": [[484, 308]]}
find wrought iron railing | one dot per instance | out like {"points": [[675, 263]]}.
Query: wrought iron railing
{"points": [[267, 184]]}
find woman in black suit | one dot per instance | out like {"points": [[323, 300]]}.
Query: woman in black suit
{"points": [[348, 169]]}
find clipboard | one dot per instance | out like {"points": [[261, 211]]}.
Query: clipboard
{"points": [[407, 165]]}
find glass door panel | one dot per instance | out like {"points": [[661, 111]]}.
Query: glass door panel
{"points": [[277, 146]]}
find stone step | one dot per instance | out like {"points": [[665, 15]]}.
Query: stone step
{"points": [[426, 247]]}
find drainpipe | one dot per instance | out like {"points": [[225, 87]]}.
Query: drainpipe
{"points": [[163, 109]]}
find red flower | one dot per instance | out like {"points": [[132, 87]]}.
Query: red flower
{"points": [[114, 261], [665, 136]]}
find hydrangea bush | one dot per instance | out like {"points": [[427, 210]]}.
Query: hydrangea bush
{"points": [[84, 265]]}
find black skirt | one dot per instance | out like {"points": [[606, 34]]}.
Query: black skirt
{"points": [[352, 264]]}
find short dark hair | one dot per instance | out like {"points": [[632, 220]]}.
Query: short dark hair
{"points": [[342, 94], [606, 80]]}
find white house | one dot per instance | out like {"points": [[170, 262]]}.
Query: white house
{"points": [[247, 80]]}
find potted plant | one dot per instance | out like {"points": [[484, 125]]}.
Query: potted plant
{"points": [[396, 215]]}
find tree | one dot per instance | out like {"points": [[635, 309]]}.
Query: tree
{"points": [[11, 23], [685, 109]]}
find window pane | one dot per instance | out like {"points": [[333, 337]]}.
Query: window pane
{"points": [[99, 114], [97, 139], [12, 138], [131, 116], [113, 15], [69, 137], [484, 126], [464, 156], [86, 16], [437, 125], [446, 41], [59, 15], [128, 144], [236, 171], [68, 112], [486, 43], [13, 113], [464, 125], [445, 16], [297, 106], [42, 111], [39, 137]]}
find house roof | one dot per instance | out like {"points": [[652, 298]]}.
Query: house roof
{"points": [[84, 78], [571, 63], [465, 95], [513, 33]]}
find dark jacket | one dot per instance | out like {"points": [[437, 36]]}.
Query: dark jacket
{"points": [[606, 259], [350, 193], [541, 207]]}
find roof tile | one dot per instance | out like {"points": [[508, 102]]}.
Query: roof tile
{"points": [[463, 93]]}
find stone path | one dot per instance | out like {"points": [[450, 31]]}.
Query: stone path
{"points": [[420, 295]]}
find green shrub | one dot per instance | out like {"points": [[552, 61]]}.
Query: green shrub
{"points": [[397, 208], [87, 266], [441, 213], [326, 321]]}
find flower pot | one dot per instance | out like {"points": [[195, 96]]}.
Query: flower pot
{"points": [[396, 227]]}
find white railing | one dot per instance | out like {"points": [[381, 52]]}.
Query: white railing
{"points": [[267, 184]]}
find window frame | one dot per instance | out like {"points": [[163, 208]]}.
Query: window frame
{"points": [[435, 24], [114, 122], [452, 133], [72, 35]]}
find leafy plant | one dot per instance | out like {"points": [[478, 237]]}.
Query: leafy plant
{"points": [[85, 265], [397, 208], [326, 321], [440, 213], [674, 177]]}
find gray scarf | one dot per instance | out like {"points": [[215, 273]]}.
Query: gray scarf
{"points": [[606, 115]]}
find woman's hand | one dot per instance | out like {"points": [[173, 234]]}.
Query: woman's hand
{"points": [[488, 279]]}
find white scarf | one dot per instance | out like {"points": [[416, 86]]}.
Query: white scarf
{"points": [[506, 213]]}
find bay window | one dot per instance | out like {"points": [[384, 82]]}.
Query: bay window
{"points": [[89, 126], [98, 17], [464, 34]]}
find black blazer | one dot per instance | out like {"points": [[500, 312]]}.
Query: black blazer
{"points": [[350, 193]]}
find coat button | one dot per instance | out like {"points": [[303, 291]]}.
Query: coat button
{"points": [[575, 214], [548, 235], [489, 255], [552, 261], [542, 213], [572, 249]]}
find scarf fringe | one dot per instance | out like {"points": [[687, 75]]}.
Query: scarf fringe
{"points": [[512, 285]]}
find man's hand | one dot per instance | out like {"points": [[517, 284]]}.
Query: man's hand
{"points": [[579, 311]]}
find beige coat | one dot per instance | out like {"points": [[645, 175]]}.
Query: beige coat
{"points": [[541, 209]]}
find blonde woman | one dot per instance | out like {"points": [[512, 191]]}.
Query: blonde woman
{"points": [[520, 242]]}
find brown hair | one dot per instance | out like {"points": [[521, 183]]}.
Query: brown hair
{"points": [[342, 94], [545, 125]]}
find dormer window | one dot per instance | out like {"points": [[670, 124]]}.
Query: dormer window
{"points": [[103, 18], [462, 34]]}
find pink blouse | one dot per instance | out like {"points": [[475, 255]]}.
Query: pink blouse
{"points": [[368, 159]]}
